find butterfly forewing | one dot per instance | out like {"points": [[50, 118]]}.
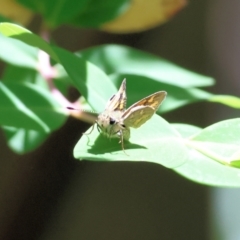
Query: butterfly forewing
{"points": [[118, 101]]}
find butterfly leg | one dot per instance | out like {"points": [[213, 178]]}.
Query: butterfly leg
{"points": [[91, 130], [124, 134], [121, 141]]}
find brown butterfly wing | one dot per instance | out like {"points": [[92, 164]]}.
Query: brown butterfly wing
{"points": [[118, 101], [154, 100], [137, 116], [143, 110]]}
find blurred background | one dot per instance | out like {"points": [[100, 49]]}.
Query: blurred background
{"points": [[47, 194]]}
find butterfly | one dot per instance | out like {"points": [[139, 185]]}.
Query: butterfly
{"points": [[116, 120]]}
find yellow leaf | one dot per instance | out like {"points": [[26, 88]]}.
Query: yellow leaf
{"points": [[16, 12], [144, 14]]}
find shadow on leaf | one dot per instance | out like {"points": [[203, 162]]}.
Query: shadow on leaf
{"points": [[110, 145]]}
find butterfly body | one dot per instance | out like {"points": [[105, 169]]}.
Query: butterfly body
{"points": [[116, 120]]}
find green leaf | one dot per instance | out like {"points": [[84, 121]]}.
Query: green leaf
{"points": [[56, 12], [24, 35], [219, 141], [126, 60], [186, 130], [18, 53], [20, 111], [230, 101], [61, 79], [235, 163], [155, 141], [202, 169], [102, 11], [93, 83], [177, 96], [20, 75], [4, 18], [22, 140]]}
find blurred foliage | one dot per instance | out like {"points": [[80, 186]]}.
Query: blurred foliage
{"points": [[35, 92]]}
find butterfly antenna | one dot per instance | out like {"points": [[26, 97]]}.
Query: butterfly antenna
{"points": [[77, 109], [71, 108], [90, 130], [81, 110]]}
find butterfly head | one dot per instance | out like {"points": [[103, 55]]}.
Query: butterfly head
{"points": [[110, 123]]}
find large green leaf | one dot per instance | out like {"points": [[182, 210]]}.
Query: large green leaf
{"points": [[219, 141], [17, 53], [203, 169], [155, 141], [22, 75], [16, 32], [126, 60], [93, 83], [177, 96], [20, 111], [23, 140], [231, 101], [61, 79]]}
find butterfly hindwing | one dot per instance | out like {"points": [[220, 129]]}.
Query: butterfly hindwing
{"points": [[141, 111], [137, 116]]}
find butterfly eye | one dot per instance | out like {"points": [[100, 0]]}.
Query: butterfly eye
{"points": [[112, 121]]}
